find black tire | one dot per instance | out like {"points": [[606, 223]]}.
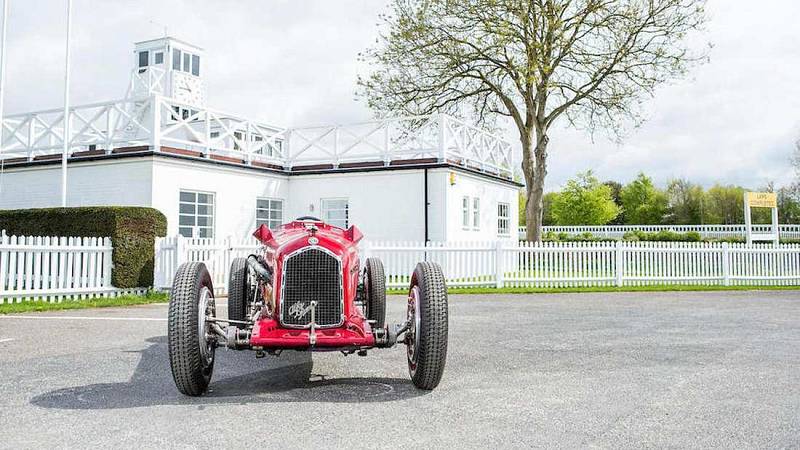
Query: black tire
{"points": [[191, 370], [431, 349], [238, 290], [375, 288]]}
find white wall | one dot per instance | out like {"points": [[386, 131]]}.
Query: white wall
{"points": [[384, 205], [490, 193], [100, 183], [235, 193]]}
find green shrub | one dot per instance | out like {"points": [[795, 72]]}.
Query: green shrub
{"points": [[564, 237], [132, 231], [662, 236]]}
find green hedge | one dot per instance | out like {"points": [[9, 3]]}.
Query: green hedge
{"points": [[132, 231], [662, 236]]}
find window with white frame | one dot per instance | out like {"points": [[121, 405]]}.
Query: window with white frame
{"points": [[196, 214], [503, 219], [176, 59], [186, 62], [465, 212], [335, 211], [476, 213], [159, 58], [269, 211], [144, 58]]}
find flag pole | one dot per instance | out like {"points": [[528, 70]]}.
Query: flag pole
{"points": [[67, 132], [2, 87]]}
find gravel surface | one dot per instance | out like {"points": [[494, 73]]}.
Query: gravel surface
{"points": [[612, 370]]}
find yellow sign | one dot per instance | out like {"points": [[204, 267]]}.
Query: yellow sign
{"points": [[762, 199]]}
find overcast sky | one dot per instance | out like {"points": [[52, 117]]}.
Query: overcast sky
{"points": [[289, 63]]}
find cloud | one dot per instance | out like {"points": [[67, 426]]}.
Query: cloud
{"points": [[295, 63]]}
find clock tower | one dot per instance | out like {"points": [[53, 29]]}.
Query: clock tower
{"points": [[172, 68]]}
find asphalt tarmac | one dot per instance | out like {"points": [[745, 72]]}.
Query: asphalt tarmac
{"points": [[610, 370]]}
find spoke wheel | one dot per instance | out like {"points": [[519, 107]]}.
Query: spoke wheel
{"points": [[413, 320], [206, 309]]}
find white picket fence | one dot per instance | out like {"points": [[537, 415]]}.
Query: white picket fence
{"points": [[584, 264], [787, 231], [541, 265], [216, 253], [55, 268]]}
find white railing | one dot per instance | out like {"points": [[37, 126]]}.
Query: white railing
{"points": [[145, 118], [787, 231], [538, 265], [55, 268], [436, 136], [146, 81], [121, 123], [215, 133]]}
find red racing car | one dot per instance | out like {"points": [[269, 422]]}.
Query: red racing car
{"points": [[305, 290]]}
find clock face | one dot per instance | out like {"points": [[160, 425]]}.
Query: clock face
{"points": [[187, 89]]}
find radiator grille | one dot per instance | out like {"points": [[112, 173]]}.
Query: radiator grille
{"points": [[311, 275]]}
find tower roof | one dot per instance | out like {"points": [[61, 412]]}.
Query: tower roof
{"points": [[169, 39]]}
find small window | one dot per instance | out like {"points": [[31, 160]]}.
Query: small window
{"points": [[476, 213], [502, 219], [269, 211], [214, 134], [176, 59], [187, 61], [144, 58], [159, 58], [465, 212], [195, 65], [335, 211], [196, 214]]}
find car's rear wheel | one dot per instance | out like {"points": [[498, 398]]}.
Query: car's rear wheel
{"points": [[238, 290], [190, 339], [426, 338], [375, 288]]}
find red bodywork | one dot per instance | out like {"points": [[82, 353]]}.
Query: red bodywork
{"points": [[355, 332]]}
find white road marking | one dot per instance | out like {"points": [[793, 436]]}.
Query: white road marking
{"points": [[145, 319], [6, 340]]}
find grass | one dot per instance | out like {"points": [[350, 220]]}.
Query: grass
{"points": [[650, 288], [126, 300], [159, 297]]}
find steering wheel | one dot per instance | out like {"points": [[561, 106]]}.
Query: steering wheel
{"points": [[310, 218]]}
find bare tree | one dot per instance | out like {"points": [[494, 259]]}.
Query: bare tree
{"points": [[590, 61]]}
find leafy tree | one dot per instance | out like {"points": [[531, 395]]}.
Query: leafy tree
{"points": [[724, 204], [521, 209], [547, 215], [616, 195], [685, 200], [584, 201], [589, 62], [643, 203], [789, 204]]}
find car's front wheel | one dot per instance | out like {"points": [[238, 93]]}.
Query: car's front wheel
{"points": [[190, 338], [375, 289], [426, 338], [238, 290]]}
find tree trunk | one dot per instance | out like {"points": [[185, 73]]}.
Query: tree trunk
{"points": [[535, 173]]}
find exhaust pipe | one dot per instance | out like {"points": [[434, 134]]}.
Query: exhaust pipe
{"points": [[260, 269]]}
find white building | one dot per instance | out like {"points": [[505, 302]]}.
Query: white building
{"points": [[215, 174]]}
